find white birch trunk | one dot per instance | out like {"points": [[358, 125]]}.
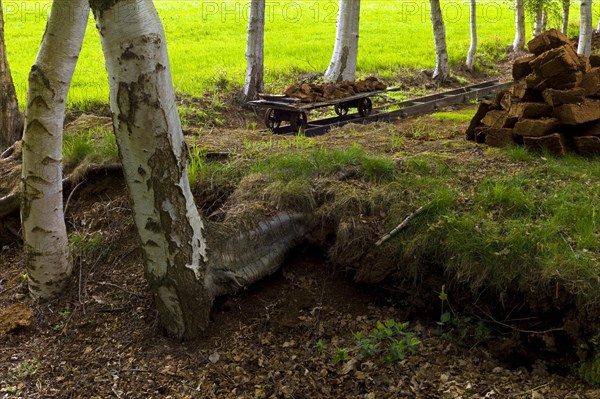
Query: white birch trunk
{"points": [[11, 120], [473, 29], [345, 51], [519, 42], [153, 154], [566, 5], [442, 68], [538, 23], [47, 255], [254, 51], [584, 47]]}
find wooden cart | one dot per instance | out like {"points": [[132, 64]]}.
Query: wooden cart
{"points": [[287, 109]]}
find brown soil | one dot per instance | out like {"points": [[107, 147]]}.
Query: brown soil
{"points": [[276, 339]]}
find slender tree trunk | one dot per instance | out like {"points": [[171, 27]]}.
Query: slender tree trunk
{"points": [[345, 51], [538, 24], [442, 68], [544, 22], [254, 51], [584, 47], [183, 275], [519, 42], [11, 120], [473, 25], [48, 259], [566, 5]]}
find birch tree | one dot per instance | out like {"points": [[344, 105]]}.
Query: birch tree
{"points": [[538, 25], [566, 5], [473, 29], [182, 271], [584, 46], [11, 120], [442, 68], [345, 51], [519, 42], [47, 255], [254, 51]]}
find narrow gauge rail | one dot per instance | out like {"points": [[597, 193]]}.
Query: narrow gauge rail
{"points": [[284, 109]]}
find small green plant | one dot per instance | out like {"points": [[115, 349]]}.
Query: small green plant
{"points": [[397, 141], [389, 339], [25, 369], [444, 315], [320, 345], [421, 131], [341, 355], [87, 243]]}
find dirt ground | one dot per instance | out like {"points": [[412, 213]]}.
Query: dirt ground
{"points": [[291, 335]]}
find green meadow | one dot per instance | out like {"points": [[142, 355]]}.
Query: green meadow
{"points": [[206, 40]]}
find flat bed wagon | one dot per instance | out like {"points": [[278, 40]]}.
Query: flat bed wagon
{"points": [[293, 110]]}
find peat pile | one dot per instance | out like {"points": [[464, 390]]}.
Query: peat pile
{"points": [[309, 92], [554, 102]]}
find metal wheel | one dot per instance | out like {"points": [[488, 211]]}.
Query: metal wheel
{"points": [[365, 106], [340, 109], [271, 119], [299, 121]]}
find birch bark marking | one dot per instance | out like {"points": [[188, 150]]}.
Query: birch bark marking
{"points": [[538, 24], [442, 68], [254, 51], [473, 25], [519, 42], [153, 154], [584, 46], [47, 254], [566, 5], [345, 50], [11, 120]]}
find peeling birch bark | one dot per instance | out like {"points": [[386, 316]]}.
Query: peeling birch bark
{"points": [[254, 51], [519, 42], [442, 68], [566, 5], [183, 275], [473, 30], [345, 50], [584, 46], [47, 255]]}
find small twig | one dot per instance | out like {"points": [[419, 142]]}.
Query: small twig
{"points": [[491, 318], [402, 225], [8, 152], [121, 288], [529, 390], [10, 288], [71, 194]]}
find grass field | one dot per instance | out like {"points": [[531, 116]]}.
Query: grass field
{"points": [[206, 40]]}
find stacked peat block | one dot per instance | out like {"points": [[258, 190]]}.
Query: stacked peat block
{"points": [[554, 102]]}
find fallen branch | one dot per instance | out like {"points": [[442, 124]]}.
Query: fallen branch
{"points": [[8, 152], [11, 203], [402, 225]]}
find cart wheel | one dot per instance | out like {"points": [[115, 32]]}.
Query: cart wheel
{"points": [[271, 119], [299, 121], [341, 109], [365, 106]]}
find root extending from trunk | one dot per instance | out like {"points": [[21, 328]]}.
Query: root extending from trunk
{"points": [[11, 203], [253, 255]]}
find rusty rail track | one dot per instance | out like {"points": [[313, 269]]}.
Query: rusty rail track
{"points": [[404, 109]]}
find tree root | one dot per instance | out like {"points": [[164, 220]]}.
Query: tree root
{"points": [[11, 203]]}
